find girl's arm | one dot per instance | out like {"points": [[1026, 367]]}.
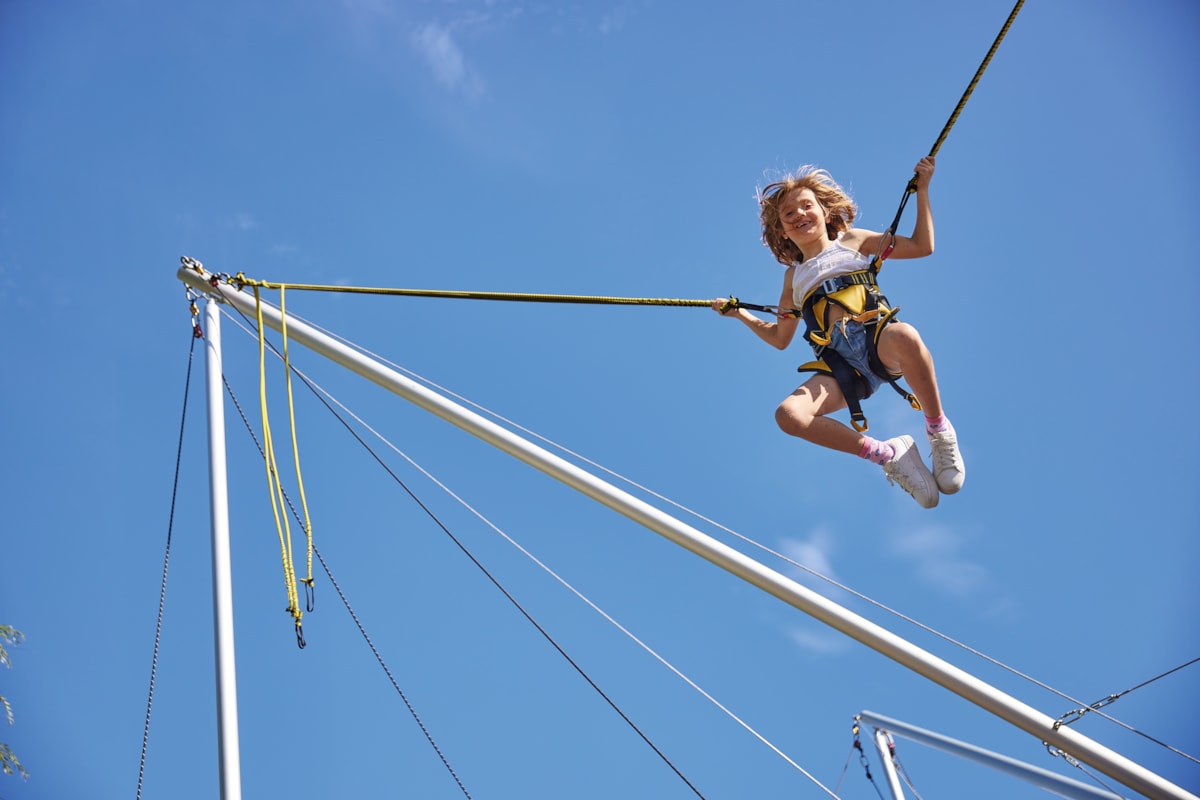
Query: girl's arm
{"points": [[920, 243], [778, 334]]}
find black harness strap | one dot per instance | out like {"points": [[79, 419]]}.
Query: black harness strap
{"points": [[854, 386]]}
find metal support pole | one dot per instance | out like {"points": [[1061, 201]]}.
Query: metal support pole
{"points": [[1043, 778], [810, 602], [227, 720], [883, 745]]}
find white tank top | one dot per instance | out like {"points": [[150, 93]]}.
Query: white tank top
{"points": [[837, 259]]}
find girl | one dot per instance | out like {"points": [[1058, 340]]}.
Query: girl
{"points": [[806, 222]]}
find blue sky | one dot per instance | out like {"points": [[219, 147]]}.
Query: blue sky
{"points": [[607, 148]]}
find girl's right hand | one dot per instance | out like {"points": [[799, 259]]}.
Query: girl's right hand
{"points": [[722, 305]]}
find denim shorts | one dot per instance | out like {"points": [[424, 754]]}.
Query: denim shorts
{"points": [[851, 342]]}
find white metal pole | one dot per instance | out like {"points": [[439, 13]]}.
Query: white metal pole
{"points": [[882, 745], [226, 673], [883, 641], [1044, 778]]}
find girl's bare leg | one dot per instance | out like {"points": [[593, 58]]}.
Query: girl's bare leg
{"points": [[803, 414], [902, 350]]}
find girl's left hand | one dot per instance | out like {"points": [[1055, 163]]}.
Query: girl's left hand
{"points": [[924, 170]]}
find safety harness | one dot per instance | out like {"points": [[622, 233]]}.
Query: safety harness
{"points": [[856, 293]]}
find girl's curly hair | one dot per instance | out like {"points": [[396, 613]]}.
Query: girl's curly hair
{"points": [[832, 197]]}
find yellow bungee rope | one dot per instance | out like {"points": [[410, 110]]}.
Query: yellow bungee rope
{"points": [[274, 483], [241, 280]]}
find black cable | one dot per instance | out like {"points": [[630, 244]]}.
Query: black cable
{"points": [[162, 592], [411, 709], [515, 603]]}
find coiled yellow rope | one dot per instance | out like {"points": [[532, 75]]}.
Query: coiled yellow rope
{"points": [[287, 370], [274, 483]]}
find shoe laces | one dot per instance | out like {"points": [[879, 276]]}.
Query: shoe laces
{"points": [[944, 449], [896, 474]]}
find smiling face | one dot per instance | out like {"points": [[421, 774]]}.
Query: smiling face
{"points": [[801, 208], [802, 218]]}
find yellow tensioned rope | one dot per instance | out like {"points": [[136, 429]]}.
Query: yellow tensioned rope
{"points": [[242, 280], [886, 242], [978, 74]]}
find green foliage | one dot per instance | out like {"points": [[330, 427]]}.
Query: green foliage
{"points": [[8, 636], [9, 763]]}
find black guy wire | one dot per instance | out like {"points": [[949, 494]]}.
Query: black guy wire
{"points": [[379, 658], [1155, 678], [1078, 714], [162, 592], [517, 605]]}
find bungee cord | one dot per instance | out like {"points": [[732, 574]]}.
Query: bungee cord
{"points": [[240, 280], [962, 102], [889, 237], [275, 483], [308, 580]]}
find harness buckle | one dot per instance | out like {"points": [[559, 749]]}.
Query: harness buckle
{"points": [[839, 282], [831, 285]]}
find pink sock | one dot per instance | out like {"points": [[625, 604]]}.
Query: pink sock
{"points": [[875, 451], [937, 425]]}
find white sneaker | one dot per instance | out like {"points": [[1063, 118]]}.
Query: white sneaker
{"points": [[948, 469], [908, 470]]}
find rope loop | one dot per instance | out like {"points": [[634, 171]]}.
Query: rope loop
{"points": [[310, 594]]}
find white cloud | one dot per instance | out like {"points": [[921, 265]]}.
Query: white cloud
{"points": [[439, 42], [613, 20], [379, 24], [939, 564], [821, 642], [443, 55], [816, 553], [243, 222]]}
